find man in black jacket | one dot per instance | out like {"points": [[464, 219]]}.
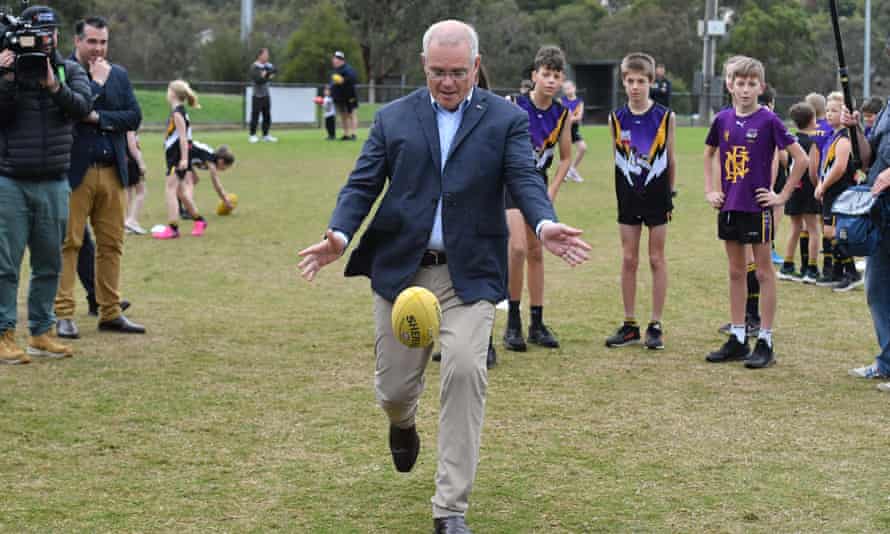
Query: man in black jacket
{"points": [[36, 122], [98, 179], [261, 72], [343, 81]]}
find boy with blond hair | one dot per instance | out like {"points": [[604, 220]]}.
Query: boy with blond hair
{"points": [[743, 140]]}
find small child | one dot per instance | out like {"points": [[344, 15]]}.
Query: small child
{"points": [[575, 106], [743, 141], [177, 145], [802, 207], [870, 111], [204, 157], [547, 128], [330, 114], [136, 189], [643, 141], [837, 175]]}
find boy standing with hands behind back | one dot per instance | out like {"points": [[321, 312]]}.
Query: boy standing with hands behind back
{"points": [[745, 139]]}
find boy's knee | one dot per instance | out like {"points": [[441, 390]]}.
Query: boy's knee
{"points": [[657, 262], [535, 253], [517, 251]]}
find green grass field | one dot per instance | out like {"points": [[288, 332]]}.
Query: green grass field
{"points": [[215, 109], [249, 405]]}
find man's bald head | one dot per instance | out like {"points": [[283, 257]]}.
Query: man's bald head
{"points": [[451, 33]]}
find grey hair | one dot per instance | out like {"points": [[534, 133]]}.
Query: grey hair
{"points": [[450, 38]]}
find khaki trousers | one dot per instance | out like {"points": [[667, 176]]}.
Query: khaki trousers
{"points": [[399, 382], [102, 199]]}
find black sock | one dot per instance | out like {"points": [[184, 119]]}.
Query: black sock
{"points": [[174, 226], [513, 318], [839, 261], [199, 218], [804, 250], [787, 265], [537, 313], [850, 266], [827, 251], [752, 306], [490, 342]]}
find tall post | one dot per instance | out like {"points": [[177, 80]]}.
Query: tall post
{"points": [[709, 53], [866, 64], [246, 19]]}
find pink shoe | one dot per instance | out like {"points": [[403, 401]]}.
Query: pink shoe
{"points": [[167, 233], [198, 228]]}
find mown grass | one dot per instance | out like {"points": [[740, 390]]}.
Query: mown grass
{"points": [[216, 109], [249, 405]]}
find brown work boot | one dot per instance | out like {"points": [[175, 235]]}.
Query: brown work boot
{"points": [[10, 353], [47, 346]]}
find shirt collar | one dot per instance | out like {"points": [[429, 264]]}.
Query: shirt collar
{"points": [[463, 105]]}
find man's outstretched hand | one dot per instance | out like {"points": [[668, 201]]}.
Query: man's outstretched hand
{"points": [[563, 241], [320, 254]]}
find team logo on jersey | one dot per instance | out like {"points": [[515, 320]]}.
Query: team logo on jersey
{"points": [[625, 137], [751, 134], [736, 164]]}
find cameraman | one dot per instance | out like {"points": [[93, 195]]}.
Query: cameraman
{"points": [[260, 73], [36, 123]]}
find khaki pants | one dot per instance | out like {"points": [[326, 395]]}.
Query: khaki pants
{"points": [[102, 199], [399, 382]]}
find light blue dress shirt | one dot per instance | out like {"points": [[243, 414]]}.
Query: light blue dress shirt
{"points": [[448, 123]]}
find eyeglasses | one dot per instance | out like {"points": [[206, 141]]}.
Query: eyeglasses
{"points": [[458, 75]]}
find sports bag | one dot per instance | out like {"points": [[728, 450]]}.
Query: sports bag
{"points": [[857, 230]]}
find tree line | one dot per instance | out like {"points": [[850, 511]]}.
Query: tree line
{"points": [[199, 39]]}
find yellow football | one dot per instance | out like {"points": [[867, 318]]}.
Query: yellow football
{"points": [[222, 209], [415, 317], [337, 79]]}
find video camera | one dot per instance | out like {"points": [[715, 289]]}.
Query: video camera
{"points": [[30, 38]]}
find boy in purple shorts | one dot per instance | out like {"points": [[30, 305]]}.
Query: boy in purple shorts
{"points": [[745, 139]]}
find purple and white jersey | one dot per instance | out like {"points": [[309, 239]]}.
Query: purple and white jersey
{"points": [[747, 146], [544, 126], [822, 138], [641, 147]]}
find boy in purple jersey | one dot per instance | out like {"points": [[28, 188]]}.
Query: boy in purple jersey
{"points": [[548, 129], [821, 136], [575, 106], [643, 143], [743, 141]]}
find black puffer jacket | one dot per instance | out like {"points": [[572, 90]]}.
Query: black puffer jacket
{"points": [[36, 125]]}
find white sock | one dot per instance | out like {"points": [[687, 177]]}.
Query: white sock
{"points": [[739, 332], [766, 334]]}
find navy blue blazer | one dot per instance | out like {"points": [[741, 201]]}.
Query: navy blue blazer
{"points": [[118, 114], [490, 152]]}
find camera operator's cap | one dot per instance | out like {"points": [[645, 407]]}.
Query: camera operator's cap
{"points": [[339, 55], [38, 16]]}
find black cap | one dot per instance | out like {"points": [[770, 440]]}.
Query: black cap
{"points": [[38, 16]]}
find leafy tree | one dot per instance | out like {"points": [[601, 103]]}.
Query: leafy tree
{"points": [[225, 58], [309, 49]]}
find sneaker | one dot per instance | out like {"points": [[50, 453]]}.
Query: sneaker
{"points": [[270, 139], [625, 335], [884, 386], [777, 259], [134, 228], [731, 351], [787, 272], [167, 233], [811, 275], [10, 353], [513, 339], [761, 357], [541, 335], [199, 228], [574, 176], [253, 139], [850, 282], [869, 371], [827, 280], [46, 346], [654, 336]]}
